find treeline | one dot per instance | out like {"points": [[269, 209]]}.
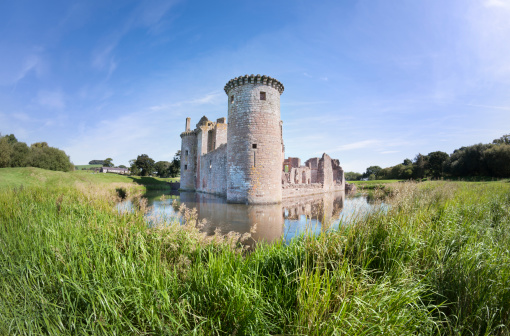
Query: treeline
{"points": [[14, 153], [481, 160], [146, 166]]}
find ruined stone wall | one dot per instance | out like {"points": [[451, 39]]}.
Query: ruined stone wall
{"points": [[325, 172], [254, 140], [220, 133], [301, 175], [294, 162], [313, 163], [188, 160], [213, 172], [294, 190]]}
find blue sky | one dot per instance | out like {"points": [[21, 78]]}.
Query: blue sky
{"points": [[370, 82]]}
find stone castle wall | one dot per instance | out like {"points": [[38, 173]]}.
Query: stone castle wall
{"points": [[213, 172]]}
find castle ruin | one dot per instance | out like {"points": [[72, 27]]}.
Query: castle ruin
{"points": [[244, 160]]}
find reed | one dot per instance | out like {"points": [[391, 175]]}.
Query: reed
{"points": [[436, 262]]}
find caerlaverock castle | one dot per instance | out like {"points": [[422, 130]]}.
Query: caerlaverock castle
{"points": [[244, 160]]}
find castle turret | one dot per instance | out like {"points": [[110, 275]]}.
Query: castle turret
{"points": [[188, 158], [254, 152]]}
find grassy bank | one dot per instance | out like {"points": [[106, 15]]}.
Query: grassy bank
{"points": [[436, 263], [36, 177]]}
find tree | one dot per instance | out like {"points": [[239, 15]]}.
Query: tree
{"points": [[145, 164], [122, 166], [435, 163], [108, 162], [11, 139], [162, 168], [498, 160], [5, 152], [352, 176], [133, 169], [469, 161], [407, 162], [20, 154], [372, 172], [175, 167], [419, 166], [50, 158], [96, 162], [505, 139], [39, 144]]}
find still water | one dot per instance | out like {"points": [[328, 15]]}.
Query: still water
{"points": [[266, 222]]}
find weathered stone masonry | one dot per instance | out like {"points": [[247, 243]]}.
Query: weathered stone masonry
{"points": [[244, 160]]}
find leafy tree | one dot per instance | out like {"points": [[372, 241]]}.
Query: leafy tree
{"points": [[469, 161], [96, 162], [11, 139], [39, 144], [145, 164], [108, 162], [435, 163], [50, 158], [20, 154], [162, 168], [419, 164], [133, 169], [402, 171], [5, 152], [175, 167], [372, 171], [407, 162], [505, 139], [122, 166], [352, 176], [498, 160]]}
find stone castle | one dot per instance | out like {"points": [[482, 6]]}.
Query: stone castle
{"points": [[244, 160]]}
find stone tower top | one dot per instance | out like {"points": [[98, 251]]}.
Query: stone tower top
{"points": [[254, 79]]}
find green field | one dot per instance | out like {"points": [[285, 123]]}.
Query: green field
{"points": [[81, 167], [33, 177], [436, 263]]}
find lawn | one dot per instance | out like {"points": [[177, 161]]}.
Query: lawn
{"points": [[33, 177]]}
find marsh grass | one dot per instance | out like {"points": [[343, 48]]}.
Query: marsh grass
{"points": [[436, 262]]}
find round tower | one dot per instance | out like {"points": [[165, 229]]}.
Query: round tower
{"points": [[254, 151], [188, 158]]}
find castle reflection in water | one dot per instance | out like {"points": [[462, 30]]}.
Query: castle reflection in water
{"points": [[266, 222]]}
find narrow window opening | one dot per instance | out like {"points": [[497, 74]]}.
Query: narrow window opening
{"points": [[186, 153], [210, 164], [254, 160], [262, 95], [254, 146], [185, 167], [232, 99]]}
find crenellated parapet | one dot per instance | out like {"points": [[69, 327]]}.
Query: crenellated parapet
{"points": [[188, 133], [254, 79]]}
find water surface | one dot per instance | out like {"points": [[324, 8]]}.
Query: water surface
{"points": [[266, 222]]}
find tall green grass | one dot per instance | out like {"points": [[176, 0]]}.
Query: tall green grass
{"points": [[437, 262]]}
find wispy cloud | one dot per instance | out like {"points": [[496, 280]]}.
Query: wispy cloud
{"points": [[52, 99], [212, 98], [389, 152]]}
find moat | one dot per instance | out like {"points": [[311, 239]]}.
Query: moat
{"points": [[266, 222]]}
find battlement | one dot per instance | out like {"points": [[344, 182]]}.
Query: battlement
{"points": [[187, 133], [254, 79]]}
